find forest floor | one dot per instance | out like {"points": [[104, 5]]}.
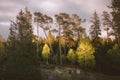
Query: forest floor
{"points": [[70, 73]]}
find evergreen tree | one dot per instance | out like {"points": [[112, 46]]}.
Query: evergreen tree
{"points": [[95, 27], [115, 5], [78, 30], [107, 23], [113, 55], [22, 62], [43, 21]]}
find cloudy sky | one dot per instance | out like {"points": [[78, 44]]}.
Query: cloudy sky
{"points": [[84, 8]]}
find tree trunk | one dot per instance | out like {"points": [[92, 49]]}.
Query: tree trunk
{"points": [[60, 47], [37, 39]]}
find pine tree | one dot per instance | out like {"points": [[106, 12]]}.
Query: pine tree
{"points": [[24, 23], [95, 27], [43, 21], [78, 30], [115, 5], [22, 62], [107, 23]]}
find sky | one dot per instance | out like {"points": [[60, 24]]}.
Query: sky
{"points": [[84, 8]]}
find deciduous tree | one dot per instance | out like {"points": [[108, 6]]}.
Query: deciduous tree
{"points": [[46, 52], [85, 52], [71, 56]]}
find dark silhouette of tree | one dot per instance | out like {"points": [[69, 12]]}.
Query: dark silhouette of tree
{"points": [[115, 5], [95, 27], [22, 61], [78, 30], [95, 31], [107, 23]]}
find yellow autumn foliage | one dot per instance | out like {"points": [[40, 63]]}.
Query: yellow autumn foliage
{"points": [[50, 38], [45, 51], [85, 52]]}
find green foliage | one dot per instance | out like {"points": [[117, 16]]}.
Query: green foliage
{"points": [[101, 56], [21, 62], [107, 57], [18, 58], [64, 58], [114, 58], [45, 51], [85, 52], [115, 50], [2, 54], [71, 56], [55, 59], [21, 29]]}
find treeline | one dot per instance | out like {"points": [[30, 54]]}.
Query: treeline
{"points": [[65, 43]]}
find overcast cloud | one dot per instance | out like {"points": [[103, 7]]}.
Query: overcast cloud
{"points": [[84, 8]]}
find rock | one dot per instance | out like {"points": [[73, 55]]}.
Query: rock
{"points": [[77, 71]]}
